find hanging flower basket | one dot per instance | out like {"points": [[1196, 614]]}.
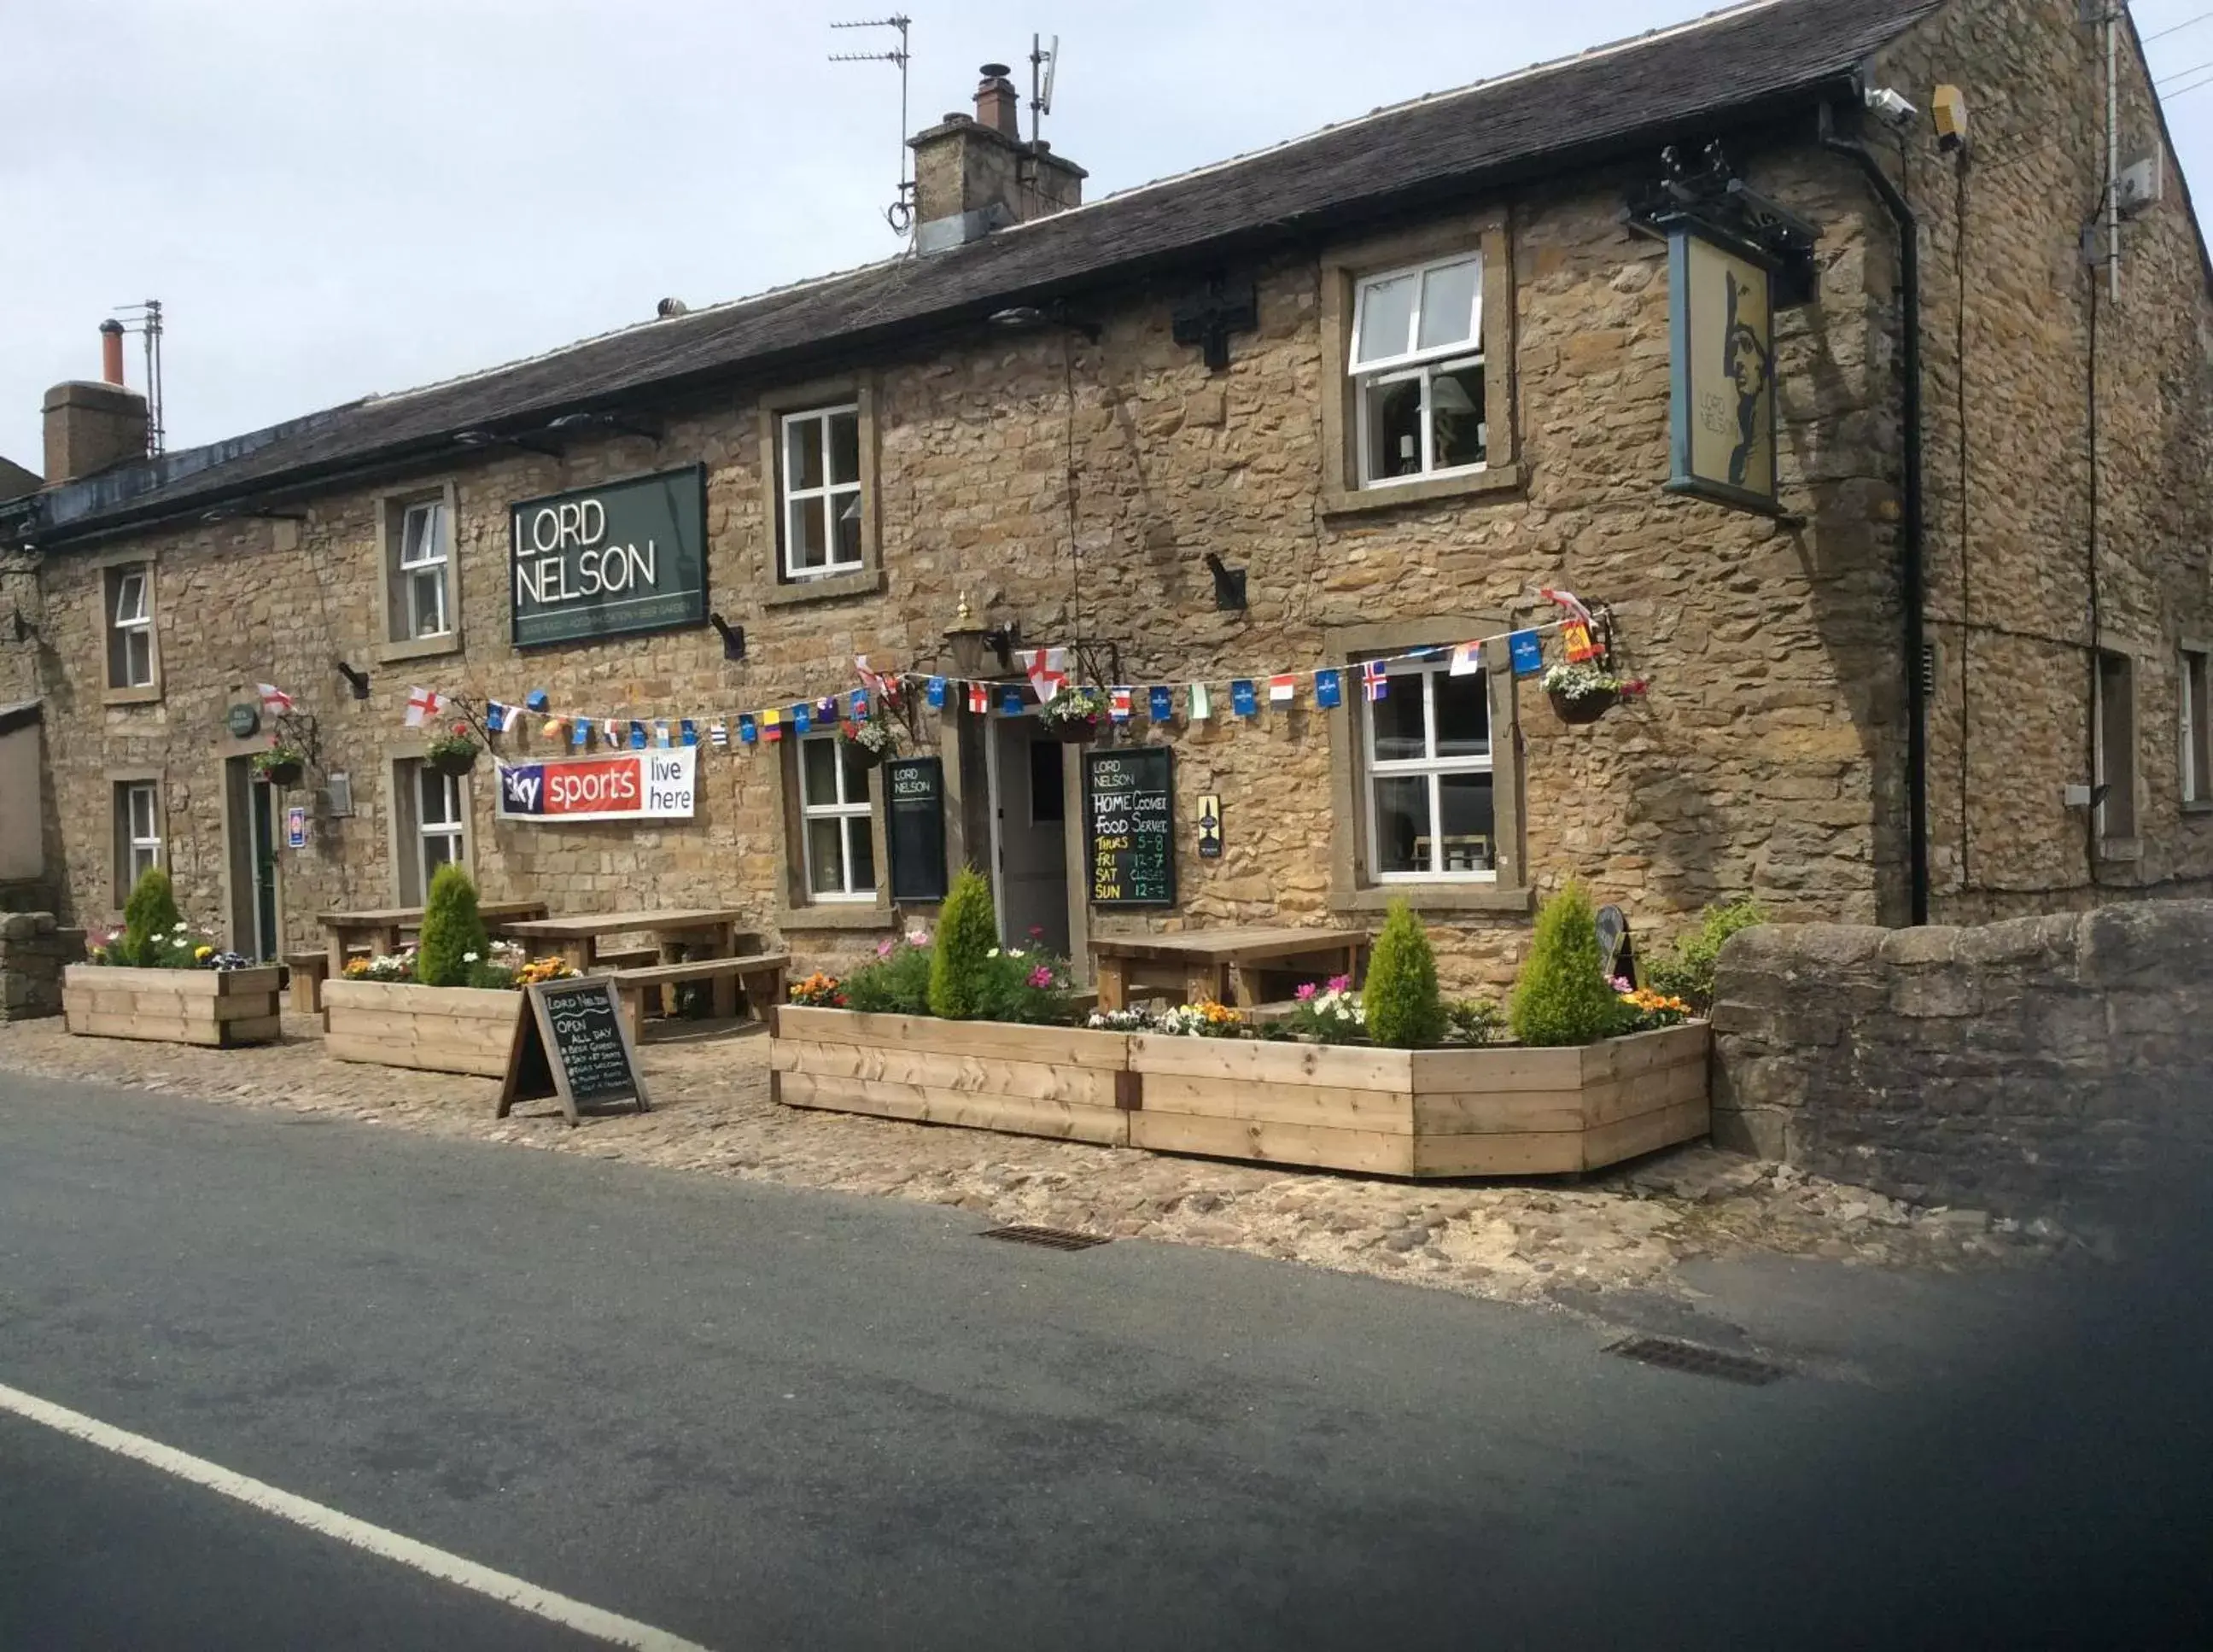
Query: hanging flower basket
{"points": [[1074, 715], [454, 753], [1575, 709], [280, 769], [871, 739], [1080, 733]]}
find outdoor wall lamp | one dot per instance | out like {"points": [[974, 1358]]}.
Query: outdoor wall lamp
{"points": [[1229, 584], [1019, 317], [357, 680], [968, 638], [733, 636]]}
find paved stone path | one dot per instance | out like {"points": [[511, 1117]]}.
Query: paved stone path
{"points": [[1525, 1241]]}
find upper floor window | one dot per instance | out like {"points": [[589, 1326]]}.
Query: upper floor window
{"points": [[131, 626], [819, 482], [1428, 781], [835, 820], [1417, 368], [422, 588]]}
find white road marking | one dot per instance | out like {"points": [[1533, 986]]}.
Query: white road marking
{"points": [[608, 1626]]}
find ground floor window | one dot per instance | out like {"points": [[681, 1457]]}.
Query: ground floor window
{"points": [[430, 825], [138, 833], [2197, 728], [1427, 775], [835, 824]]}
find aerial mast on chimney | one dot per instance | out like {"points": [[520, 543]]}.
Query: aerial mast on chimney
{"points": [[1044, 61], [901, 213], [145, 319]]}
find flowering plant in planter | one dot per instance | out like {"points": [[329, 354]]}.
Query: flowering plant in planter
{"points": [[1646, 1010], [1587, 692], [1333, 1013], [1075, 713], [820, 991], [382, 966], [281, 765], [455, 752], [1203, 1019], [875, 738]]}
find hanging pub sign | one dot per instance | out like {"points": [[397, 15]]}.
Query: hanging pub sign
{"points": [[652, 784], [1721, 315], [599, 562], [914, 827]]}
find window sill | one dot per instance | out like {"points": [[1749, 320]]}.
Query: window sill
{"points": [[420, 647], [2201, 805], [1437, 898], [149, 694], [1499, 479], [865, 582], [855, 915]]}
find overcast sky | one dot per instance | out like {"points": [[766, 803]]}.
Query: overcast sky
{"points": [[336, 196]]}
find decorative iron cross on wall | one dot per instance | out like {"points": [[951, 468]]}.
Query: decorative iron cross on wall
{"points": [[1208, 319]]}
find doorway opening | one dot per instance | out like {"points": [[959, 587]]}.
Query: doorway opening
{"points": [[1028, 772], [250, 809]]}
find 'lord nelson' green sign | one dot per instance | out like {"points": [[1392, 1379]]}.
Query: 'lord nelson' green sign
{"points": [[598, 562]]}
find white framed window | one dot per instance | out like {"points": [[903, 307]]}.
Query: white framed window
{"points": [[425, 558], [2193, 684], [137, 832], [131, 626], [1416, 370], [430, 828], [818, 487], [1428, 780], [835, 824]]}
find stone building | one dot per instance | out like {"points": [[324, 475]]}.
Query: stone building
{"points": [[1393, 382]]}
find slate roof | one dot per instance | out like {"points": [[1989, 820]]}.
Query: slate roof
{"points": [[1754, 58]]}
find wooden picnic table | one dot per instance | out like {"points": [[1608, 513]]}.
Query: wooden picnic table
{"points": [[703, 932], [1218, 963], [381, 927]]}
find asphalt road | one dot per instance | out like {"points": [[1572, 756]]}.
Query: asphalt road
{"points": [[758, 1418]]}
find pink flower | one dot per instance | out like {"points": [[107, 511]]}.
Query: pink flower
{"points": [[1340, 983], [1621, 984], [1306, 991], [883, 948], [1037, 931], [1041, 976]]}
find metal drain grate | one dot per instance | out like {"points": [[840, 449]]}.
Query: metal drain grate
{"points": [[1670, 1355], [1053, 1239]]}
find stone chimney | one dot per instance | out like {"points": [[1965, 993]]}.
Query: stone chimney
{"points": [[974, 173], [91, 426]]}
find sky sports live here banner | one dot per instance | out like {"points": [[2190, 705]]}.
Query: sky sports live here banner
{"points": [[597, 561], [654, 784]]}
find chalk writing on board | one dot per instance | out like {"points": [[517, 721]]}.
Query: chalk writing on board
{"points": [[1131, 825], [587, 1042]]}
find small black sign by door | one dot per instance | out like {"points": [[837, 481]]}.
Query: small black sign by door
{"points": [[573, 1044], [1128, 802], [914, 824]]}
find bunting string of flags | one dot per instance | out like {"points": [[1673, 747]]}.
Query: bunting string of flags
{"points": [[1045, 677]]}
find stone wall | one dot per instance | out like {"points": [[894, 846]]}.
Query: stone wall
{"points": [[34, 948], [2015, 1067]]}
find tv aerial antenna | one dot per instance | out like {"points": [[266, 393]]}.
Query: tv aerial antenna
{"points": [[901, 213], [1043, 60], [145, 319]]}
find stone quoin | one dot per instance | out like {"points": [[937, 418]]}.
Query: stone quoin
{"points": [[1455, 393]]}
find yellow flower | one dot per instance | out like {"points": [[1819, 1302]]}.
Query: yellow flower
{"points": [[202, 954]]}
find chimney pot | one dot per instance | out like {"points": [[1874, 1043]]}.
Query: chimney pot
{"points": [[110, 351], [996, 106]]}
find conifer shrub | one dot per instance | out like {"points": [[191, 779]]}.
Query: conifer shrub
{"points": [[150, 918], [1403, 1009], [454, 942], [1562, 997], [961, 977]]}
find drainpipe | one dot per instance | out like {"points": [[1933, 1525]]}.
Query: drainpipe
{"points": [[1912, 572]]}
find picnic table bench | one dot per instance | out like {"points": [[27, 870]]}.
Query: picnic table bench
{"points": [[1223, 965], [381, 927], [760, 975]]}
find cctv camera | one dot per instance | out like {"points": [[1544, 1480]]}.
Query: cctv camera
{"points": [[1891, 107]]}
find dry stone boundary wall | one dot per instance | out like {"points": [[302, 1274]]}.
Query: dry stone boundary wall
{"points": [[2063, 1060], [34, 948]]}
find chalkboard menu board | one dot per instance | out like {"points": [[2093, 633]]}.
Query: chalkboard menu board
{"points": [[573, 1044], [914, 822], [1130, 825]]}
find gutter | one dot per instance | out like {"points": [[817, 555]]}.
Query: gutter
{"points": [[1913, 563]]}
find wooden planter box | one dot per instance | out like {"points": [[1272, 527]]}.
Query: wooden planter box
{"points": [[436, 1029], [221, 1008], [1033, 1081], [1421, 1112]]}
